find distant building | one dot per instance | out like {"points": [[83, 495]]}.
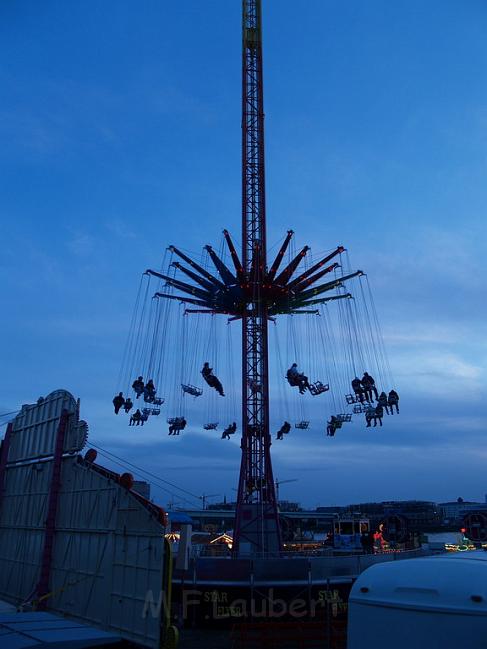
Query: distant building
{"points": [[420, 514], [288, 506], [222, 506], [456, 509], [332, 509], [373, 510], [142, 488]]}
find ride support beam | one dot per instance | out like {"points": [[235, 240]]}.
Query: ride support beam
{"points": [[314, 278], [329, 285], [323, 300], [182, 298], [196, 278], [291, 267], [197, 267], [233, 253], [315, 267], [227, 276], [181, 286], [279, 257]]}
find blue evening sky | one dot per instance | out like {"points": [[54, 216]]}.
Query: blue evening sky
{"points": [[120, 134]]}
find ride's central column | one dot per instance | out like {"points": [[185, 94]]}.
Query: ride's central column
{"points": [[257, 530]]}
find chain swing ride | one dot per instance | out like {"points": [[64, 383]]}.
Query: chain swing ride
{"points": [[175, 357]]}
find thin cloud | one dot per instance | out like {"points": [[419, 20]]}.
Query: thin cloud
{"points": [[82, 244]]}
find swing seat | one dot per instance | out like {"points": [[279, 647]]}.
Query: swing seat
{"points": [[318, 388], [192, 390], [158, 401], [147, 411], [344, 417], [155, 411], [211, 426], [352, 398], [359, 409], [303, 425], [144, 416]]}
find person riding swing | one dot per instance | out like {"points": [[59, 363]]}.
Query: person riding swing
{"points": [[177, 425], [138, 386], [368, 385], [332, 425], [358, 389], [229, 430], [297, 378], [118, 402], [382, 401], [393, 400], [211, 379], [283, 430], [149, 391], [136, 418]]}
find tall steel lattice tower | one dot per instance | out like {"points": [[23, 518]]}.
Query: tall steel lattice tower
{"points": [[252, 292], [257, 521]]}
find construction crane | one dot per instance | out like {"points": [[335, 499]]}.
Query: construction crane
{"points": [[278, 483]]}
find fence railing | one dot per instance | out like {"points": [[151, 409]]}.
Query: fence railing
{"points": [[287, 568]]}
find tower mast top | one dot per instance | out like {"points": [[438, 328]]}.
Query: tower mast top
{"points": [[253, 162]]}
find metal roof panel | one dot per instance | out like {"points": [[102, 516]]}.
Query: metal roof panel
{"points": [[45, 630]]}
